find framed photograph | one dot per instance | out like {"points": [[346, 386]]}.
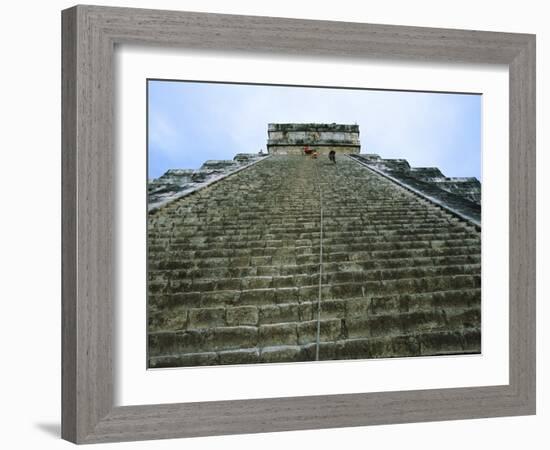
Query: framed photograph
{"points": [[265, 229]]}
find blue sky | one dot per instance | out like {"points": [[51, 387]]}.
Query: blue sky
{"points": [[190, 123]]}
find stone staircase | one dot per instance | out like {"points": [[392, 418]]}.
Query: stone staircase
{"points": [[233, 270]]}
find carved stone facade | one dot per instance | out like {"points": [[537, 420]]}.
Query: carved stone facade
{"points": [[291, 138]]}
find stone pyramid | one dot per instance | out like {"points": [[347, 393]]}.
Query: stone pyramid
{"points": [[289, 258]]}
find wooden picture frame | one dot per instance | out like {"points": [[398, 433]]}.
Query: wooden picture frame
{"points": [[90, 34]]}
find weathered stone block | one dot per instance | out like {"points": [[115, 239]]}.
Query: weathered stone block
{"points": [[286, 295], [242, 356], [257, 282], [288, 312], [419, 321], [306, 311], [166, 342], [327, 351], [405, 346], [357, 307], [472, 340], [162, 320], [330, 330], [355, 349], [339, 277], [330, 309], [443, 342], [232, 337], [278, 334], [190, 359], [285, 353], [228, 284], [242, 315], [284, 281], [469, 318], [309, 293], [257, 297], [360, 327], [219, 298], [268, 271], [206, 317], [260, 261], [347, 290]]}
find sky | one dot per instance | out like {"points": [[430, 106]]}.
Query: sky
{"points": [[190, 122]]}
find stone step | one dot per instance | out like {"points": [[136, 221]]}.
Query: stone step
{"points": [[217, 338], [431, 301], [213, 234], [248, 208], [182, 317], [290, 256], [282, 281], [411, 322], [266, 296], [287, 222], [262, 220], [427, 343], [227, 242], [188, 261], [258, 218], [419, 344], [310, 269]]}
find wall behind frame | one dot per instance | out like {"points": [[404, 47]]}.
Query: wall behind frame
{"points": [[31, 222]]}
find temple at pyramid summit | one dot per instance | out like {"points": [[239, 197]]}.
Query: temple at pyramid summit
{"points": [[288, 256], [291, 138]]}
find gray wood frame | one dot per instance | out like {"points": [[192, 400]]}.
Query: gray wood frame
{"points": [[89, 36]]}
